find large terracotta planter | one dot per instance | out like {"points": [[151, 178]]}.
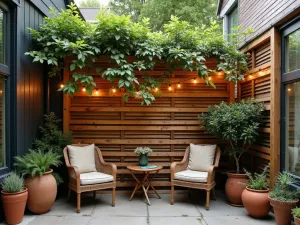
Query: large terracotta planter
{"points": [[256, 202], [296, 221], [14, 206], [41, 193], [235, 185], [283, 211]]}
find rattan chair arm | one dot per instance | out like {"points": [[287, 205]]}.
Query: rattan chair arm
{"points": [[74, 175]]}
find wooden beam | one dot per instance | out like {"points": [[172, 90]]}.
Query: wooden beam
{"points": [[136, 122], [258, 41], [275, 104], [140, 128]]}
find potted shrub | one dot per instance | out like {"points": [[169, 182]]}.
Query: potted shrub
{"points": [[237, 124], [143, 153], [255, 196], [296, 214], [42, 187], [14, 197], [283, 198]]}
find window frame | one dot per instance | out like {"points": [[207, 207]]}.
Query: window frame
{"points": [[230, 16], [5, 72], [287, 78]]}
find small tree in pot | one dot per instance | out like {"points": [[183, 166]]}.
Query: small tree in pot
{"points": [[283, 198], [237, 124], [296, 214]]}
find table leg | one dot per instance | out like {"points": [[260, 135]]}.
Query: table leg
{"points": [[137, 186], [146, 195], [150, 185]]}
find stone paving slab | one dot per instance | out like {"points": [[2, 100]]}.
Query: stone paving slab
{"points": [[185, 211]]}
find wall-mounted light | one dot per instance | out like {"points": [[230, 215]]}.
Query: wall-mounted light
{"points": [[178, 85], [83, 89], [61, 85], [209, 78], [97, 92], [114, 90], [170, 87], [260, 72], [195, 80]]}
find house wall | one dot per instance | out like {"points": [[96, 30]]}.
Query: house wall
{"points": [[30, 81], [168, 125]]}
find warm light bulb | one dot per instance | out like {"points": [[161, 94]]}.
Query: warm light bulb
{"points": [[62, 85], [178, 85], [209, 78], [195, 80], [156, 89], [289, 89], [114, 90], [83, 89], [250, 76], [260, 73], [220, 73], [170, 87], [97, 92]]}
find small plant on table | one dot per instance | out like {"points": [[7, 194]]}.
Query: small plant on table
{"points": [[143, 153]]}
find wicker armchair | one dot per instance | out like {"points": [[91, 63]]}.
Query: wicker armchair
{"points": [[207, 184], [75, 183]]}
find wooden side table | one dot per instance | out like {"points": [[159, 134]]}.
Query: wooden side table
{"points": [[145, 182]]}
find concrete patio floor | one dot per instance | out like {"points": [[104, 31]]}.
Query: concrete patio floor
{"points": [[186, 210]]}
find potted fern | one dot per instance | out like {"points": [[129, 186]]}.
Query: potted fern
{"points": [[255, 196], [237, 124], [296, 214], [283, 198], [14, 197], [41, 184], [143, 153]]}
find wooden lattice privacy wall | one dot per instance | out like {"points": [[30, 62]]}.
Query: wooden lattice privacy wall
{"points": [[167, 126]]}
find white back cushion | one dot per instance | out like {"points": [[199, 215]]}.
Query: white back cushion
{"points": [[82, 157], [201, 157]]}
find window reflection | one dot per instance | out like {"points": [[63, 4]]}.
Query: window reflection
{"points": [[293, 128], [293, 51]]}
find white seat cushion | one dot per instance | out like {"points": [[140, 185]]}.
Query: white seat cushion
{"points": [[201, 157], [82, 157], [95, 178], [192, 176]]}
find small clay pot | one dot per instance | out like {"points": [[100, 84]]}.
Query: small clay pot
{"points": [[41, 193], [234, 187], [283, 211], [256, 202], [14, 206], [296, 221]]}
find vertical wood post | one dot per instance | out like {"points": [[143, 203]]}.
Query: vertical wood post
{"points": [[66, 102], [275, 104]]}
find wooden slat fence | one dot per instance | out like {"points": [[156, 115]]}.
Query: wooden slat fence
{"points": [[167, 126]]}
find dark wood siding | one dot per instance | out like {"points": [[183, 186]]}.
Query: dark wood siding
{"points": [[262, 15], [30, 81]]}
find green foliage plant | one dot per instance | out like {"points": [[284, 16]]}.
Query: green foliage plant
{"points": [[282, 191], [296, 212], [13, 183], [90, 4], [258, 181], [179, 45], [143, 150], [36, 163], [51, 136], [236, 123]]}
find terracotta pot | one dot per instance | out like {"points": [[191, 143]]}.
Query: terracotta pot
{"points": [[41, 193], [296, 221], [14, 206], [283, 211], [256, 202], [235, 185]]}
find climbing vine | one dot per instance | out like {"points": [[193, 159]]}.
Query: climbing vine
{"points": [[180, 46]]}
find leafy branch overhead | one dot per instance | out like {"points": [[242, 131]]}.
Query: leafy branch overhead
{"points": [[180, 46]]}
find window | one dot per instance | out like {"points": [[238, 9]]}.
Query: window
{"points": [[3, 75], [233, 20], [291, 99]]}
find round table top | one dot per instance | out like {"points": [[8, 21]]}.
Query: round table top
{"points": [[138, 168]]}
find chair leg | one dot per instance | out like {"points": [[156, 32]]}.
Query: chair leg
{"points": [[94, 194], [113, 197], [78, 202], [213, 191], [69, 194], [172, 194], [207, 199]]}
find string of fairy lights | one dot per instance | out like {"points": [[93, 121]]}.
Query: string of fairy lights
{"points": [[178, 84]]}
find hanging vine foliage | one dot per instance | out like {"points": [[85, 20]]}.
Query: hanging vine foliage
{"points": [[180, 46]]}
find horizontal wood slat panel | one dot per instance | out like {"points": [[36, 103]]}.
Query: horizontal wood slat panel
{"points": [[167, 126], [257, 85]]}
